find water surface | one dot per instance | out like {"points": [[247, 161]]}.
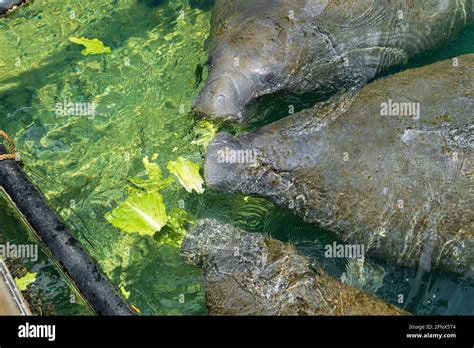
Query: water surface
{"points": [[143, 91]]}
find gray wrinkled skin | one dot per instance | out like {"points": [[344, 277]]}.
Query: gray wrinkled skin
{"points": [[401, 186], [259, 47], [249, 274]]}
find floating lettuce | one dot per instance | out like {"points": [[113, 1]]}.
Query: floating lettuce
{"points": [[141, 212], [124, 292], [174, 232], [187, 173], [26, 280], [144, 211], [206, 131], [155, 181], [92, 46]]}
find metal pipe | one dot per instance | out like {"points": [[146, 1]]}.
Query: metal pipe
{"points": [[72, 257]]}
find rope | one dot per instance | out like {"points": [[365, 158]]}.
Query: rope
{"points": [[11, 147]]}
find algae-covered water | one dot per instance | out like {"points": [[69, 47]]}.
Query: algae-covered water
{"points": [[143, 91]]}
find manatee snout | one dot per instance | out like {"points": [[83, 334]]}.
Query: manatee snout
{"points": [[220, 99], [226, 91], [227, 163], [237, 76]]}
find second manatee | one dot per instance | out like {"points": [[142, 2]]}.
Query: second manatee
{"points": [[389, 166], [250, 274]]}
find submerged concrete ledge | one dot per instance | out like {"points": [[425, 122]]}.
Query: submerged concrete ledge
{"points": [[11, 299]]}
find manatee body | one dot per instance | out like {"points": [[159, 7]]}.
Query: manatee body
{"points": [[363, 165], [249, 274], [259, 47]]}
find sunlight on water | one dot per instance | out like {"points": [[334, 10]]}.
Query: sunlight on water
{"points": [[142, 94]]}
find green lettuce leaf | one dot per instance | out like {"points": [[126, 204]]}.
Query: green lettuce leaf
{"points": [[141, 212], [205, 131], [187, 173], [26, 280], [155, 181], [124, 292], [92, 46], [174, 232], [144, 211]]}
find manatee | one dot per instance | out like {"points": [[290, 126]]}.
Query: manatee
{"points": [[262, 47], [249, 274], [389, 166]]}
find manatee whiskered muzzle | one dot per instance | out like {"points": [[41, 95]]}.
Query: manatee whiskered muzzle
{"points": [[228, 163], [221, 99]]}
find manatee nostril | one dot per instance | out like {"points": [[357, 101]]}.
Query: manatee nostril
{"points": [[221, 98], [268, 78]]}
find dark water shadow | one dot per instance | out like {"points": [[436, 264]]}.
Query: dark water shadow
{"points": [[204, 5], [460, 45], [271, 108], [436, 292]]}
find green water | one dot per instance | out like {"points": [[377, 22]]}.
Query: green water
{"points": [[144, 90], [52, 293]]}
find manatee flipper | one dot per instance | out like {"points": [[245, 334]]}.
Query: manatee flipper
{"points": [[375, 60]]}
